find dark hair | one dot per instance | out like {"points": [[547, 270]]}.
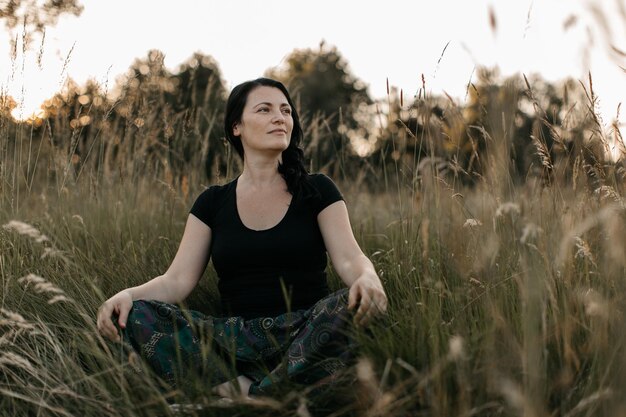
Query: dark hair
{"points": [[292, 166]]}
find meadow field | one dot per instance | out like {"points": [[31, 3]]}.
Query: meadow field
{"points": [[506, 297]]}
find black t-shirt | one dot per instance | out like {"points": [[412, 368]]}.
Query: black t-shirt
{"points": [[268, 272]]}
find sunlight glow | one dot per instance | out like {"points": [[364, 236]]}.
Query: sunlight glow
{"points": [[33, 78], [29, 108]]}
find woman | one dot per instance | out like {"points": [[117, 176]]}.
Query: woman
{"points": [[268, 232]]}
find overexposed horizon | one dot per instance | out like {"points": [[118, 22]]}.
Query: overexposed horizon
{"points": [[397, 41]]}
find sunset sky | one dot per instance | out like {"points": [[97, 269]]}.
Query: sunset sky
{"points": [[395, 40]]}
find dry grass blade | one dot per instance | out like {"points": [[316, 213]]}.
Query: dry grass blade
{"points": [[440, 58], [570, 22], [584, 251], [13, 359], [618, 51], [528, 19], [602, 22], [114, 191], [592, 103], [36, 401], [600, 217], [529, 89], [13, 317], [67, 60], [618, 139], [606, 192], [493, 22], [41, 49], [543, 116], [601, 395], [42, 286], [543, 153]]}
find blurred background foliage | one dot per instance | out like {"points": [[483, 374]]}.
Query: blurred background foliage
{"points": [[36, 15], [169, 124]]}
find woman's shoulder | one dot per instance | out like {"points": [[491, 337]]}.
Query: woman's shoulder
{"points": [[326, 191], [211, 200], [221, 189], [216, 192], [317, 176], [322, 182]]}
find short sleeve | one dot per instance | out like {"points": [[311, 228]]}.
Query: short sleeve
{"points": [[203, 207], [328, 192]]}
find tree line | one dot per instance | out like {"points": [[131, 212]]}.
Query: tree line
{"points": [[170, 123]]}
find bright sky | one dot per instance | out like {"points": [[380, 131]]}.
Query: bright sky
{"points": [[397, 40]]}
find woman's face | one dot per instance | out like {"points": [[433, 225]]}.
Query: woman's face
{"points": [[266, 122]]}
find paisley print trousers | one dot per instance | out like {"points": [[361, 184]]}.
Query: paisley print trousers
{"points": [[302, 347]]}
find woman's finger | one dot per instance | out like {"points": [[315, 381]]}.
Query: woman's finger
{"points": [[105, 324], [381, 304], [109, 330], [100, 321], [373, 309], [364, 306], [353, 297], [367, 317], [123, 317]]}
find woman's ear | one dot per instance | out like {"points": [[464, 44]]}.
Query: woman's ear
{"points": [[236, 129]]}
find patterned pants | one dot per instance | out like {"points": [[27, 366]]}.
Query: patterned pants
{"points": [[302, 347]]}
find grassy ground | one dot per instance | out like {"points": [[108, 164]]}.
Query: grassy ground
{"points": [[504, 300]]}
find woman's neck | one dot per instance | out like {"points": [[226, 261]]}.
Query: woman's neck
{"points": [[260, 172]]}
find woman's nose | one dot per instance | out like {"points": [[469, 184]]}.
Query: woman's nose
{"points": [[278, 118]]}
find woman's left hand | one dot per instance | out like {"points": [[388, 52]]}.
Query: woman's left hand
{"points": [[368, 294]]}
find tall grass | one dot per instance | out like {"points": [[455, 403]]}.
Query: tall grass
{"points": [[505, 299]]}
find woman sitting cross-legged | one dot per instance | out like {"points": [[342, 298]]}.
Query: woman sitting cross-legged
{"points": [[268, 232]]}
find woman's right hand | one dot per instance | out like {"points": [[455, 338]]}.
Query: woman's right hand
{"points": [[120, 305]]}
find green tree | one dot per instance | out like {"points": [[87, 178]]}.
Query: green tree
{"points": [[510, 129], [327, 95], [201, 99], [144, 118], [174, 120], [70, 130], [414, 136]]}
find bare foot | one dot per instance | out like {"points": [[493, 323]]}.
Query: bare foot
{"points": [[234, 389]]}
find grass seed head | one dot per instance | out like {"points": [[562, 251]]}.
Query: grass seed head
{"points": [[508, 208], [530, 233], [472, 223], [58, 298], [584, 251], [13, 359], [456, 348], [26, 230], [595, 304]]}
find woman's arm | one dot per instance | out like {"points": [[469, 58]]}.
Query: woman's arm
{"points": [[185, 270], [171, 287], [353, 267]]}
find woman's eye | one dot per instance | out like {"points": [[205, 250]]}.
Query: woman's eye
{"points": [[287, 111], [263, 110]]}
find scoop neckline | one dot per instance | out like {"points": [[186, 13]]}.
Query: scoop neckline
{"points": [[259, 230]]}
